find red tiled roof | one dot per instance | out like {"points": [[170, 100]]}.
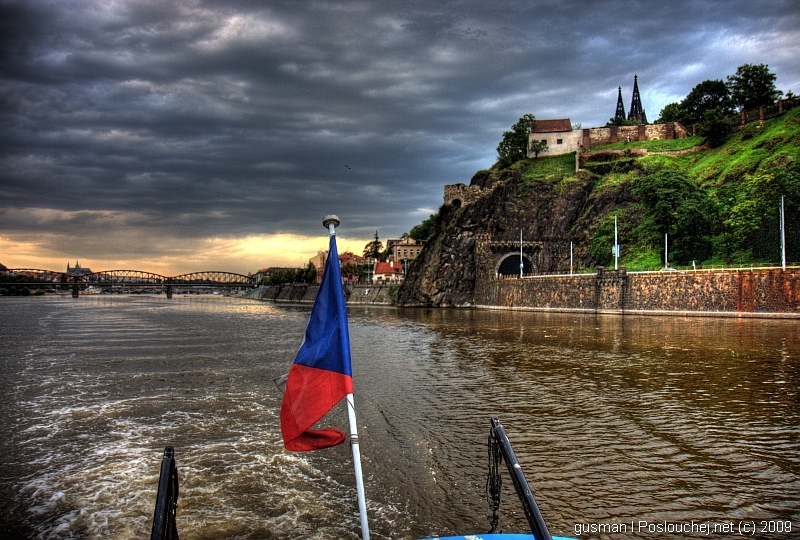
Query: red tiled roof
{"points": [[551, 126], [386, 268]]}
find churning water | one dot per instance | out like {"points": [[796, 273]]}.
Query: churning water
{"points": [[616, 421]]}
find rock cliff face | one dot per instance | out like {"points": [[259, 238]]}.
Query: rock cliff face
{"points": [[551, 211]]}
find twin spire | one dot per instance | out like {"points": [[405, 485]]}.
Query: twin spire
{"points": [[636, 111]]}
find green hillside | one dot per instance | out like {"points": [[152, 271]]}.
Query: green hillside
{"points": [[718, 206]]}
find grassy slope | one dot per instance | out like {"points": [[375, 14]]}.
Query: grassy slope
{"points": [[721, 172]]}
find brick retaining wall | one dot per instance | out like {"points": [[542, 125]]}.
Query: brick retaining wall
{"points": [[767, 292], [741, 292]]}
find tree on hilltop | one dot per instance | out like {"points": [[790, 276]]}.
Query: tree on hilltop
{"points": [[706, 96], [514, 145], [753, 86]]}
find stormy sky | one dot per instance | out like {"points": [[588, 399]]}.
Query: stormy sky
{"points": [[215, 135]]}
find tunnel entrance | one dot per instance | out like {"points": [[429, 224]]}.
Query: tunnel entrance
{"points": [[509, 266]]}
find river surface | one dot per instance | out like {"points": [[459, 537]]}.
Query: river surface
{"points": [[617, 421]]}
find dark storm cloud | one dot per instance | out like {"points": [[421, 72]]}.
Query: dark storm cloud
{"points": [[237, 118]]}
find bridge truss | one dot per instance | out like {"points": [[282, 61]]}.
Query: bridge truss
{"points": [[125, 279]]}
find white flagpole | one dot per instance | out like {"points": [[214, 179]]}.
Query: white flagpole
{"points": [[331, 222], [362, 501]]}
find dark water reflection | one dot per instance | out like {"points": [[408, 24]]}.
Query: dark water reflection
{"points": [[614, 419], [635, 418]]}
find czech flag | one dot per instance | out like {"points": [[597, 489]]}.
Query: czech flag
{"points": [[321, 374]]}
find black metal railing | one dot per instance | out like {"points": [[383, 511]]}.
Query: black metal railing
{"points": [[164, 518], [500, 450]]}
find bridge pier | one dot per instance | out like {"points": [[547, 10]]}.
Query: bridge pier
{"points": [[169, 292], [75, 287]]}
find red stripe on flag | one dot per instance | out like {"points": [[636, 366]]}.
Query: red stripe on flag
{"points": [[310, 394]]}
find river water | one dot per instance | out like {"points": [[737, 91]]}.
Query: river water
{"points": [[635, 422]]}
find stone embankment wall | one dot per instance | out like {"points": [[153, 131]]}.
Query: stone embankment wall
{"points": [[766, 292], [369, 295], [735, 292], [301, 293]]}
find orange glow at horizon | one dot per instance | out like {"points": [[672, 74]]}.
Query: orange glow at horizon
{"points": [[243, 255]]}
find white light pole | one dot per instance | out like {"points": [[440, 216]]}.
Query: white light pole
{"points": [[520, 254], [783, 238], [616, 243], [666, 251], [570, 257]]}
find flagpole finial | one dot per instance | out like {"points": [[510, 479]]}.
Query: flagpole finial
{"points": [[331, 220]]}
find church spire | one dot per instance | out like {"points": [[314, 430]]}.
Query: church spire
{"points": [[620, 106], [637, 112]]}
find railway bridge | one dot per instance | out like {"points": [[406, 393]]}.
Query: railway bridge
{"points": [[122, 279]]}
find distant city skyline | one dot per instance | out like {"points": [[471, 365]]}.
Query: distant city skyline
{"points": [[184, 136]]}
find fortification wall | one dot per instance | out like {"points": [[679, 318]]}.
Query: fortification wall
{"points": [[649, 132], [461, 192]]}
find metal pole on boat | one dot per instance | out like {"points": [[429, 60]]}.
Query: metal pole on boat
{"points": [[331, 222]]}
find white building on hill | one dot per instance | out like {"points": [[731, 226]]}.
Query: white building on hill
{"points": [[558, 134]]}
